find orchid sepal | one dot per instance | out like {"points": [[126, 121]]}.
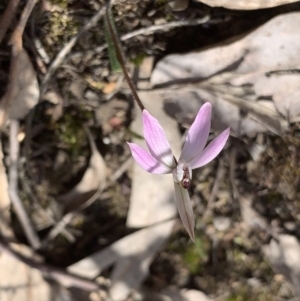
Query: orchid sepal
{"points": [[146, 161]]}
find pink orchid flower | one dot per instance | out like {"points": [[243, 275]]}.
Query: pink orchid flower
{"points": [[160, 159]]}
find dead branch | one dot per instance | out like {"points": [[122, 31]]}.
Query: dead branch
{"points": [[16, 39], [164, 27], [59, 275], [250, 216], [153, 29], [220, 175], [17, 48], [58, 228], [66, 219], [29, 231], [143, 31], [4, 199], [67, 48], [7, 17]]}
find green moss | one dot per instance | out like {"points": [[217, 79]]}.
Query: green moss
{"points": [[59, 26], [138, 59], [280, 164], [133, 134], [61, 3], [70, 135], [273, 196], [62, 27], [161, 2], [70, 131], [195, 255], [246, 294], [118, 205]]}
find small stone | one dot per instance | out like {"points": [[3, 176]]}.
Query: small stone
{"points": [[91, 95], [291, 226], [278, 277], [254, 283], [116, 122], [106, 140], [222, 223]]}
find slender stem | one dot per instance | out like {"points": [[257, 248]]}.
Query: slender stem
{"points": [[120, 58]]}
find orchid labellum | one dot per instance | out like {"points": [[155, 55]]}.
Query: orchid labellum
{"points": [[160, 159]]}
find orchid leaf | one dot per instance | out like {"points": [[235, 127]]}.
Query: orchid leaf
{"points": [[114, 62]]}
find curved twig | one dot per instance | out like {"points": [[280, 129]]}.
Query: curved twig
{"points": [[49, 271]]}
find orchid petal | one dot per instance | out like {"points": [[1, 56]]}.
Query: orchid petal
{"points": [[146, 161], [185, 210], [197, 135], [157, 141], [211, 151]]}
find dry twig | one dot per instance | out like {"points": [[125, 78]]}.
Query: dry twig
{"points": [[163, 27], [249, 215], [153, 29], [67, 48], [215, 189], [5, 217], [66, 219], [51, 272], [17, 48], [58, 228], [7, 17], [16, 39], [143, 31], [29, 231]]}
